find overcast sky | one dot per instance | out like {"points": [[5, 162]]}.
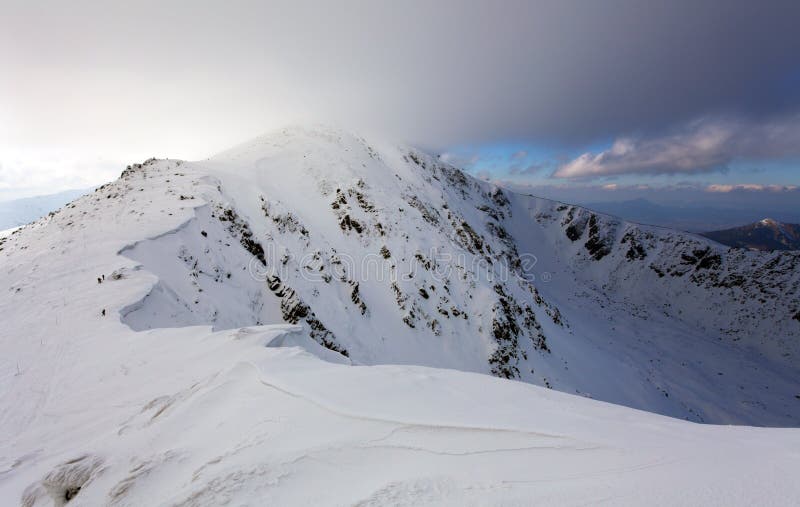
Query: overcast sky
{"points": [[587, 94]]}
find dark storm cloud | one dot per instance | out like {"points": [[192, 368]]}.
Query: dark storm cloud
{"points": [[189, 76]]}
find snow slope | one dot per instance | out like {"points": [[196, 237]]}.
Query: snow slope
{"points": [[190, 417], [149, 356], [399, 258], [7, 232], [388, 256]]}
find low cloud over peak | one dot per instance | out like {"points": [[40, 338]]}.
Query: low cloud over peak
{"points": [[552, 76], [702, 146]]}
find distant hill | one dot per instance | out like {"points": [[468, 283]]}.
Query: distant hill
{"points": [[692, 217], [767, 234], [19, 212]]}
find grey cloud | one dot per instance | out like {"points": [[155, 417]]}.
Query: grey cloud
{"points": [[186, 78], [702, 146]]}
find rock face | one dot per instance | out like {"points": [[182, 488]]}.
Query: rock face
{"points": [[385, 254]]}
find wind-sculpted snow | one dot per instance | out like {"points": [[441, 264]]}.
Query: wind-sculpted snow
{"points": [[202, 279], [217, 418], [197, 333]]}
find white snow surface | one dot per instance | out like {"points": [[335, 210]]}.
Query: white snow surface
{"points": [[7, 232], [175, 379]]}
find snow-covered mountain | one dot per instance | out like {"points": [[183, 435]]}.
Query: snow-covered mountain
{"points": [[387, 255], [134, 363], [766, 234]]}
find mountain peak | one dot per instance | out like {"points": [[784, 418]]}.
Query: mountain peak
{"points": [[381, 253], [189, 299], [766, 234], [305, 135]]}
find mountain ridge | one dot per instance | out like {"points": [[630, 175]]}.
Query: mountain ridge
{"points": [[624, 301], [766, 234], [149, 354], [696, 217]]}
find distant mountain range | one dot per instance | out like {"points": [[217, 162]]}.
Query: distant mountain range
{"points": [[17, 212], [766, 234], [690, 217]]}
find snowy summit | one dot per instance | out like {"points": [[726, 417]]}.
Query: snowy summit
{"points": [[319, 318]]}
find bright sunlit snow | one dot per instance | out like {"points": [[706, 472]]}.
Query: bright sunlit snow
{"points": [[207, 333]]}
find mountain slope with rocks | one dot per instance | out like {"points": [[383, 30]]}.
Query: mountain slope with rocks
{"points": [[387, 255], [300, 261], [766, 234]]}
